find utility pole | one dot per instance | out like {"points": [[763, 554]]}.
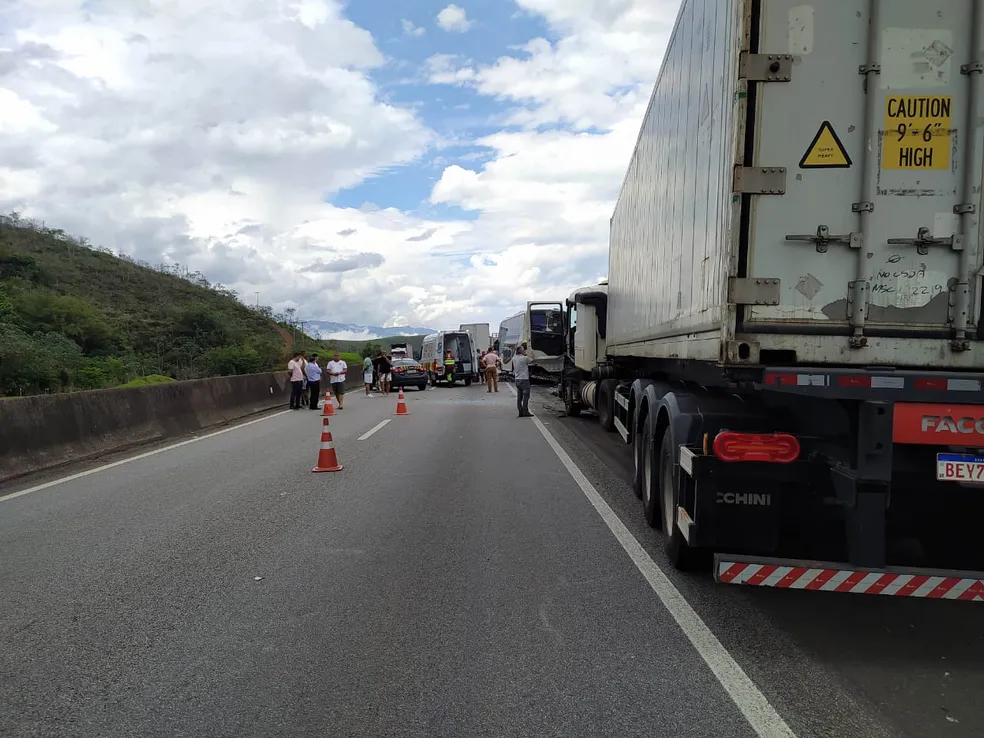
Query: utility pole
{"points": [[257, 300]]}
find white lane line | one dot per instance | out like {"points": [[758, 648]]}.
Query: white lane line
{"points": [[372, 430], [760, 714], [104, 467]]}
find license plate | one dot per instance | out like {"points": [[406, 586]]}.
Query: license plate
{"points": [[960, 468]]}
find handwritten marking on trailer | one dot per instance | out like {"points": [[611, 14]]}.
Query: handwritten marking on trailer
{"points": [[917, 132]]}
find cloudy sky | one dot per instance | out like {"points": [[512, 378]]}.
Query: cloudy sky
{"points": [[360, 162]]}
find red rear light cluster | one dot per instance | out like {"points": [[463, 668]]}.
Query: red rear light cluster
{"points": [[773, 448]]}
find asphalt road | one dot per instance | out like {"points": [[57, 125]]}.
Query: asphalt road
{"points": [[454, 579]]}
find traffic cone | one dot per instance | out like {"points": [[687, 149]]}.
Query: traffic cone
{"points": [[401, 404], [327, 458], [329, 407]]}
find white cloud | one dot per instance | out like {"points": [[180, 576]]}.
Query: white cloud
{"points": [[411, 30], [453, 18], [210, 133], [546, 196], [604, 63]]}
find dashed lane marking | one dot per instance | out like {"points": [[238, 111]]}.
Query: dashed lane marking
{"points": [[754, 706], [372, 430]]}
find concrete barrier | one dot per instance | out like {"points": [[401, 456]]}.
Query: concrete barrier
{"points": [[45, 431]]}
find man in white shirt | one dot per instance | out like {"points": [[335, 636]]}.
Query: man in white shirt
{"points": [[491, 363], [336, 370]]}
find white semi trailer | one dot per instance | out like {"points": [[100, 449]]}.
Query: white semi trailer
{"points": [[481, 341], [790, 334]]}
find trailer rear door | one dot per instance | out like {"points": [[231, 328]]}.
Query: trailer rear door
{"points": [[883, 253]]}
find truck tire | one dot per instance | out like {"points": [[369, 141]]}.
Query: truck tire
{"points": [[606, 404], [650, 474], [468, 381], [571, 407], [681, 555]]}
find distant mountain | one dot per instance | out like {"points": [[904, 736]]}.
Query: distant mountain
{"points": [[327, 330]]}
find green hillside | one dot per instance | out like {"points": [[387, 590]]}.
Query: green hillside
{"points": [[73, 316]]}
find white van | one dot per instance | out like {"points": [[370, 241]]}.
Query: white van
{"points": [[461, 346]]}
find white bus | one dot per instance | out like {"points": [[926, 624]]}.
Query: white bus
{"points": [[541, 327]]}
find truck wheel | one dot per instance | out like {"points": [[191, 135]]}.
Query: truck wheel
{"points": [[571, 407], [468, 381], [681, 555], [650, 475], [606, 404]]}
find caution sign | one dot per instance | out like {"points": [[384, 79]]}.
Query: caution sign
{"points": [[917, 132], [825, 151]]}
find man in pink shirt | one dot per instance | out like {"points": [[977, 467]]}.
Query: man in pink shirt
{"points": [[295, 373]]}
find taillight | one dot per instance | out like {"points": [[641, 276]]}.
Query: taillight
{"points": [[774, 448]]}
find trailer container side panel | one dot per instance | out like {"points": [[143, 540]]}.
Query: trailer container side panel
{"points": [[668, 258], [917, 148], [848, 232]]}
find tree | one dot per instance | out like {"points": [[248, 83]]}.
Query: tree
{"points": [[63, 355], [45, 312], [18, 361], [371, 349], [6, 307], [227, 360]]}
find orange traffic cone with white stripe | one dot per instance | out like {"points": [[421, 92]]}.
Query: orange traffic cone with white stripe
{"points": [[327, 458], [328, 408], [401, 404]]}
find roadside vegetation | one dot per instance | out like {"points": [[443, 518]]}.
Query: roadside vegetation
{"points": [[76, 317]]}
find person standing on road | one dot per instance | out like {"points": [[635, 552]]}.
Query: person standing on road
{"points": [[385, 369], [314, 381], [521, 373], [295, 374], [367, 371], [336, 370], [304, 382], [491, 362]]}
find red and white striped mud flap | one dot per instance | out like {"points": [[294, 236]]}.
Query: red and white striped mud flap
{"points": [[933, 584]]}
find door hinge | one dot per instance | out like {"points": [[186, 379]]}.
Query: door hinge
{"points": [[765, 67], [753, 290], [760, 180]]}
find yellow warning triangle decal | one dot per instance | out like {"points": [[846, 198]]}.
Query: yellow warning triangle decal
{"points": [[825, 151]]}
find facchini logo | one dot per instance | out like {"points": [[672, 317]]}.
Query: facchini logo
{"points": [[936, 424], [948, 424]]}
